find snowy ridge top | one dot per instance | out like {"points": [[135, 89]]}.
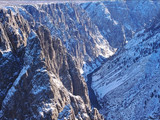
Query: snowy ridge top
{"points": [[33, 2]]}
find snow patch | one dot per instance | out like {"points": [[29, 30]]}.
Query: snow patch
{"points": [[65, 114], [6, 53], [38, 89], [115, 22], [1, 113], [13, 89], [57, 82], [47, 107], [32, 35]]}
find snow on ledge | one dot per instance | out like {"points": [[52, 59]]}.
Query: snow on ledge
{"points": [[12, 90]]}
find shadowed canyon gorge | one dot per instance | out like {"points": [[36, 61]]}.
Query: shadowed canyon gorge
{"points": [[80, 60]]}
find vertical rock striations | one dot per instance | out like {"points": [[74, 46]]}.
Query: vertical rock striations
{"points": [[39, 78]]}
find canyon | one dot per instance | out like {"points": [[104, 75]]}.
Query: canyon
{"points": [[79, 60]]}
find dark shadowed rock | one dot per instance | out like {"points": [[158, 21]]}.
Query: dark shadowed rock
{"points": [[1, 54]]}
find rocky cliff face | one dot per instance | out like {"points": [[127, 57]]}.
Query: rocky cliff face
{"points": [[127, 85], [39, 78], [45, 48], [73, 26]]}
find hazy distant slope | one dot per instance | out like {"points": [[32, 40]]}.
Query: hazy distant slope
{"points": [[127, 85]]}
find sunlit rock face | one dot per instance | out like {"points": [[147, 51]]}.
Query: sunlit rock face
{"points": [[40, 77], [46, 48], [80, 36]]}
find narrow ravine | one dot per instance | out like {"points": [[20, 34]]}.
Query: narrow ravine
{"points": [[92, 96]]}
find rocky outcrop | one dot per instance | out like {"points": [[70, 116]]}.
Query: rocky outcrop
{"points": [[45, 49], [39, 78], [73, 26], [11, 42]]}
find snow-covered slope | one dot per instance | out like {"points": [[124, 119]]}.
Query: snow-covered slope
{"points": [[45, 48], [127, 85], [118, 20]]}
